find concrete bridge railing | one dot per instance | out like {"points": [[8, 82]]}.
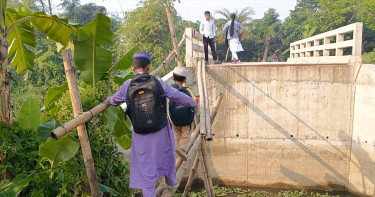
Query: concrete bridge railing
{"points": [[343, 41]]}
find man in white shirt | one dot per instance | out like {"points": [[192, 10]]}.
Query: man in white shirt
{"points": [[207, 28]]}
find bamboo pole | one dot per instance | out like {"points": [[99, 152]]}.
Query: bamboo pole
{"points": [[196, 131], [192, 147], [209, 136], [206, 168], [202, 113], [168, 59], [81, 119], [82, 133], [191, 176], [205, 177], [173, 34]]}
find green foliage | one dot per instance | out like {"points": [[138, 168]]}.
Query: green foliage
{"points": [[22, 40], [65, 178], [59, 151], [120, 79], [119, 126], [147, 27], [55, 28], [89, 56], [29, 116], [44, 130], [53, 94], [125, 61], [14, 187], [369, 58]]}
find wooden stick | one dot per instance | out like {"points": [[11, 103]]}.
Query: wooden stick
{"points": [[173, 34], [81, 119], [191, 175], [209, 136], [82, 133], [202, 99], [207, 169], [205, 177], [196, 131], [195, 140], [168, 59], [226, 57]]}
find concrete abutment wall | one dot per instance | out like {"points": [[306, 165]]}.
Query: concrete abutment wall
{"points": [[297, 125]]}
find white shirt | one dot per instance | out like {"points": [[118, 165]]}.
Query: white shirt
{"points": [[208, 28]]}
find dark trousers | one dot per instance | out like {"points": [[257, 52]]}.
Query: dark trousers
{"points": [[206, 42]]}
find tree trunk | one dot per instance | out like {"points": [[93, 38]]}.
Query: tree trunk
{"points": [[50, 7], [266, 49], [5, 105]]}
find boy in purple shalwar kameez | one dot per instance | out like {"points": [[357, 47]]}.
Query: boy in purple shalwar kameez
{"points": [[153, 154]]}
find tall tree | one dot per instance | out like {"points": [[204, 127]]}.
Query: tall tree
{"points": [[5, 106], [267, 30], [147, 27]]}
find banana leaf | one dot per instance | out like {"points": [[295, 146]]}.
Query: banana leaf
{"points": [[22, 41], [89, 54]]}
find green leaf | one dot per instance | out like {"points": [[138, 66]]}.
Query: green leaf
{"points": [[125, 62], [14, 187], [44, 130], [106, 189], [22, 41], [29, 116], [54, 94], [120, 79], [125, 141], [60, 150], [89, 56], [119, 126], [55, 28]]}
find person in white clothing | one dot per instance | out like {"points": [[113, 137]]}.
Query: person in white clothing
{"points": [[233, 31], [207, 28]]}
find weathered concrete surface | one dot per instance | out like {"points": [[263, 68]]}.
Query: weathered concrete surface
{"points": [[362, 165], [290, 124]]}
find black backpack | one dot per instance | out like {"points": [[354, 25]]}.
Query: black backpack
{"points": [[146, 103], [181, 115]]}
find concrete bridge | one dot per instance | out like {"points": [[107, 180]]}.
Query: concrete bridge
{"points": [[305, 123]]}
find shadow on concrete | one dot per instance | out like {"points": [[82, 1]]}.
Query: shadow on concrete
{"points": [[274, 124]]}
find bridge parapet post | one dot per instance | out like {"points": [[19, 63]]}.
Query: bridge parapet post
{"points": [[194, 47], [344, 41]]}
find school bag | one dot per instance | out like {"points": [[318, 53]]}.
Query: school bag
{"points": [[181, 115], [146, 103]]}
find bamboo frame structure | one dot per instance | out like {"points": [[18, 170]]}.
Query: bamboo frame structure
{"points": [[191, 176], [209, 135], [202, 111], [82, 132], [81, 119], [168, 59], [173, 34], [206, 168], [195, 133], [192, 149]]}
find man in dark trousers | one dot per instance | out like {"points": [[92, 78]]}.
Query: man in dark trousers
{"points": [[207, 28]]}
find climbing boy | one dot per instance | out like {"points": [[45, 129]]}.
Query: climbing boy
{"points": [[153, 144], [181, 117]]}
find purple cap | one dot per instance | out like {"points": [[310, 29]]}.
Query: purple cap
{"points": [[142, 54]]}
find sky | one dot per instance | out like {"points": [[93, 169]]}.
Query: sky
{"points": [[193, 10]]}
